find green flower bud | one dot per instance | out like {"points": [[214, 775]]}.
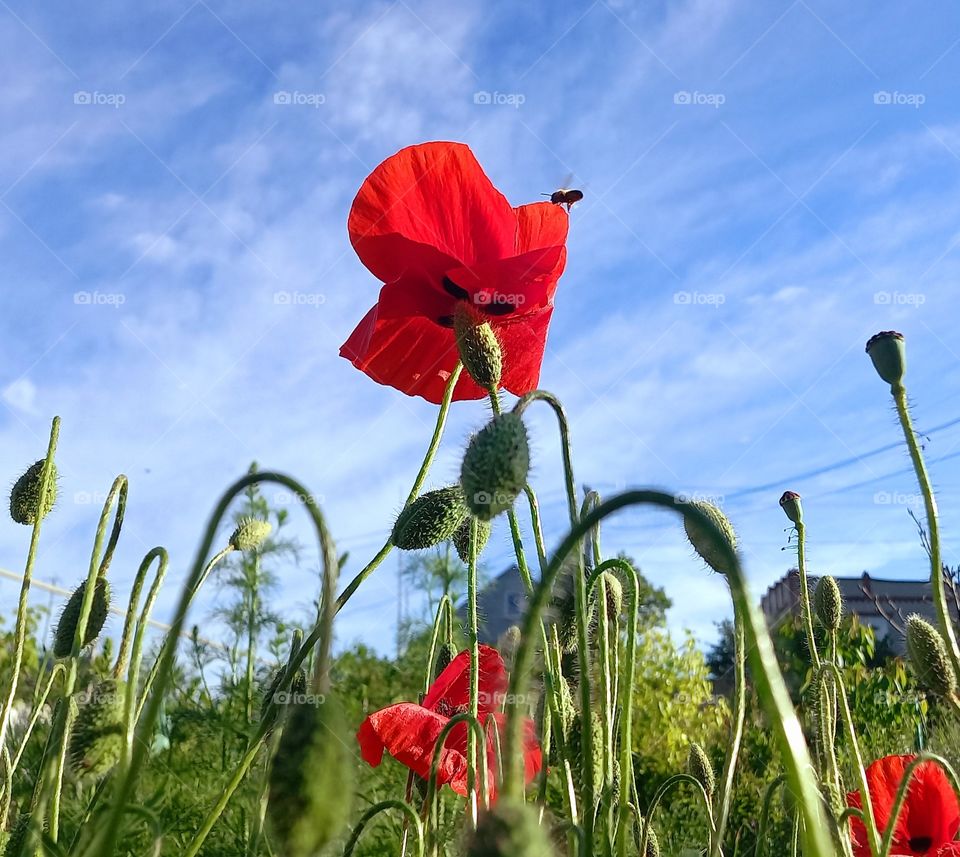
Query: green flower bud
{"points": [[250, 534], [653, 844], [928, 655], [478, 345], [97, 739], [495, 466], [17, 838], [790, 503], [70, 618], [699, 767], [430, 519], [703, 543], [576, 750], [445, 655], [509, 829], [311, 781], [888, 352], [461, 538], [26, 504], [828, 603], [614, 595]]}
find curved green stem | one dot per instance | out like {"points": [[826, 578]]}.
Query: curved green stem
{"points": [[933, 525], [765, 813], [443, 611], [410, 818], [805, 593], [736, 737], [474, 668], [675, 780], [58, 669], [771, 689]]}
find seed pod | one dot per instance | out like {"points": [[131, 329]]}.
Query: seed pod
{"points": [[97, 739], [888, 352], [614, 595], [250, 534], [793, 509], [699, 767], [17, 837], [298, 687], [311, 781], [509, 829], [70, 617], [478, 345], [576, 751], [461, 538], [615, 788], [430, 519], [928, 656], [495, 466], [703, 543], [26, 504], [828, 603], [653, 844], [447, 652]]}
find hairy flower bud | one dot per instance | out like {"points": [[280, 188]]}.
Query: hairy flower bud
{"points": [[478, 345], [509, 829], [70, 618], [97, 738], [461, 538], [888, 352], [928, 656], [790, 503], [653, 844], [445, 655], [699, 767], [495, 466], [17, 838], [703, 543], [27, 506], [614, 595], [311, 781], [430, 519], [250, 534], [828, 603]]}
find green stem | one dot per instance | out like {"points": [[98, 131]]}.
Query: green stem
{"points": [[736, 737], [933, 525], [410, 819], [805, 592], [474, 668], [771, 689], [20, 631], [765, 813], [672, 782]]}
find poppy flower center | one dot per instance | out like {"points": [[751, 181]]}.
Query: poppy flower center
{"points": [[492, 304], [921, 843], [448, 709]]}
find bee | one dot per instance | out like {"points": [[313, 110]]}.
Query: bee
{"points": [[565, 196]]}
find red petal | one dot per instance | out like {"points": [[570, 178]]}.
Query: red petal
{"points": [[951, 850], [452, 687], [526, 282], [425, 203], [409, 733], [523, 341], [540, 225]]}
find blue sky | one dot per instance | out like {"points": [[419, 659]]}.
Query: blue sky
{"points": [[766, 186]]}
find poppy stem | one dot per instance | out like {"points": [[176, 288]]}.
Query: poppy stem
{"points": [[474, 668], [805, 592]]}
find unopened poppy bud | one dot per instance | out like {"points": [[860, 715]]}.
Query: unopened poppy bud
{"points": [[703, 543], [699, 767], [509, 829], [17, 838], [495, 466], [311, 781], [27, 506], [928, 656], [790, 503], [653, 844], [250, 534], [509, 642], [447, 652], [430, 519], [614, 595], [478, 345], [97, 738], [70, 618], [576, 746], [828, 603], [888, 352], [461, 538]]}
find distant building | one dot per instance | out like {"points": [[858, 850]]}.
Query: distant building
{"points": [[500, 604], [884, 605]]}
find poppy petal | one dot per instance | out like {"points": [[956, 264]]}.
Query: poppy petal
{"points": [[523, 341], [427, 202], [409, 733], [540, 225], [517, 284], [451, 690]]}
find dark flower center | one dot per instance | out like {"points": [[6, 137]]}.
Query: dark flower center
{"points": [[492, 305], [452, 288], [921, 843]]}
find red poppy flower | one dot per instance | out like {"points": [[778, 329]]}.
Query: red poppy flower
{"points": [[430, 225], [930, 816], [409, 732]]}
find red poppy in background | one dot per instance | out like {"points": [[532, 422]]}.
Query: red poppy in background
{"points": [[430, 225], [930, 816], [409, 732]]}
